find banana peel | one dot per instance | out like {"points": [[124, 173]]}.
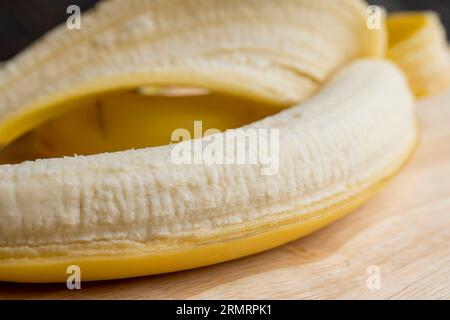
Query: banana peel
{"points": [[345, 114], [418, 45]]}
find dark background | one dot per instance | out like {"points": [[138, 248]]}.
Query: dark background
{"points": [[23, 21]]}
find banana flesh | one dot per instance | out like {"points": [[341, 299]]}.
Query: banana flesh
{"points": [[132, 213]]}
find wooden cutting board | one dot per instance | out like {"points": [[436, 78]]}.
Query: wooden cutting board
{"points": [[401, 238]]}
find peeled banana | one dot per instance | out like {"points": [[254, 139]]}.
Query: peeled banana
{"points": [[344, 114]]}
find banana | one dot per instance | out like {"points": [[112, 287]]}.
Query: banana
{"points": [[136, 212], [418, 44], [344, 119], [275, 53]]}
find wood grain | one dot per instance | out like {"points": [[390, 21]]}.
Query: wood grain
{"points": [[404, 231]]}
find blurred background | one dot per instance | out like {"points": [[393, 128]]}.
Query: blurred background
{"points": [[23, 21]]}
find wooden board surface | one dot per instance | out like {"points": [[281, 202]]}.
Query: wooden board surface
{"points": [[403, 233]]}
